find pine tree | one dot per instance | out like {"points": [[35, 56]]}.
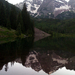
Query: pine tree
{"points": [[19, 20], [18, 31], [2, 15], [24, 18], [26, 21], [8, 25], [13, 18], [7, 9]]}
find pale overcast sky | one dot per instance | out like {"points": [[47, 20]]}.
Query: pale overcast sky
{"points": [[15, 1], [18, 1]]}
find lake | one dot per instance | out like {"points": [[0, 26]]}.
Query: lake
{"points": [[48, 56]]}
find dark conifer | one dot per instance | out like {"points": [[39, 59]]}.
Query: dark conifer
{"points": [[18, 31], [2, 15], [8, 25], [19, 20], [26, 20], [13, 18]]}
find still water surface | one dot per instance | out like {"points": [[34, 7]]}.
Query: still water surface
{"points": [[54, 56]]}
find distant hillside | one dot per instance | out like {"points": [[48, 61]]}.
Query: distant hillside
{"points": [[55, 25], [66, 15]]}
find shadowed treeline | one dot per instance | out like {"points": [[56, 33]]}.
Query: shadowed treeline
{"points": [[13, 50], [56, 43]]}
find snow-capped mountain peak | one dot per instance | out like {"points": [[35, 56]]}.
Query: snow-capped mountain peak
{"points": [[47, 8], [32, 5]]}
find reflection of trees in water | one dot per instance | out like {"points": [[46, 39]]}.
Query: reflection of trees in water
{"points": [[6, 67], [47, 59], [13, 50], [56, 43]]}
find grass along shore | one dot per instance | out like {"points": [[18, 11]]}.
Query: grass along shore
{"points": [[7, 35]]}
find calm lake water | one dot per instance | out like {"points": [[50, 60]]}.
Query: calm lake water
{"points": [[48, 56]]}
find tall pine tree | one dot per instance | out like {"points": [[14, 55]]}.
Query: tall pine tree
{"points": [[19, 20], [2, 15], [28, 27], [24, 18], [13, 18]]}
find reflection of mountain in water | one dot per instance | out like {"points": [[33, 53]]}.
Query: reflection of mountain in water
{"points": [[48, 60]]}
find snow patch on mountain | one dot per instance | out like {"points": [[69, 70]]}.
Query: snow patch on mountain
{"points": [[36, 8], [60, 1], [32, 5], [63, 7], [28, 6]]}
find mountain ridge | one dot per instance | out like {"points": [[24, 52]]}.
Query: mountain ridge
{"points": [[46, 8]]}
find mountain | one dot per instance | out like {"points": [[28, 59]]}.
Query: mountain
{"points": [[48, 8], [56, 8], [66, 15], [71, 3], [45, 7], [52, 6], [32, 5]]}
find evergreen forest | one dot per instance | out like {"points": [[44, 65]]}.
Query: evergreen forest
{"points": [[12, 17]]}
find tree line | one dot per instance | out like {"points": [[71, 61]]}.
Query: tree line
{"points": [[56, 26], [12, 17]]}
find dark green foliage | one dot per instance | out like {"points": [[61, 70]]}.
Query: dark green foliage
{"points": [[7, 9], [54, 25], [19, 20], [18, 31], [47, 25], [2, 15], [27, 24], [8, 25], [13, 18], [56, 43], [66, 26], [26, 18]]}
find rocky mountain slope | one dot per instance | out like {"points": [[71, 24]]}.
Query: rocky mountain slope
{"points": [[32, 5], [52, 6], [49, 61], [47, 8], [71, 3]]}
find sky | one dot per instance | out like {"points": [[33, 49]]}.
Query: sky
{"points": [[14, 1], [18, 1]]}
